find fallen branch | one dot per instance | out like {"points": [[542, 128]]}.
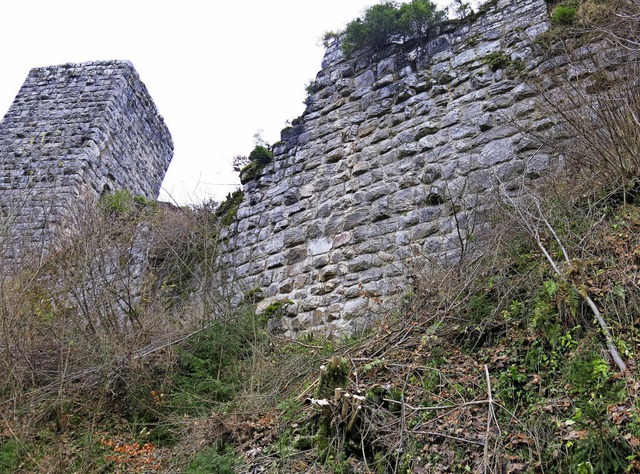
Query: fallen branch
{"points": [[490, 417], [437, 407], [117, 362], [532, 223]]}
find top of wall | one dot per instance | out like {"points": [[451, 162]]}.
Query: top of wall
{"points": [[82, 110]]}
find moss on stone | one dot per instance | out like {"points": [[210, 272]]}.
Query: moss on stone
{"points": [[258, 159], [228, 209]]}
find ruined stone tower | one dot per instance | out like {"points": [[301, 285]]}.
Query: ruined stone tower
{"points": [[73, 133]]}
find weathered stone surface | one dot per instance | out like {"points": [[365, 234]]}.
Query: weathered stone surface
{"points": [[73, 133], [320, 246], [399, 151]]}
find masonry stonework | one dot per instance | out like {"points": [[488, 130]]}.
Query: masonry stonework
{"points": [[73, 133], [394, 155]]}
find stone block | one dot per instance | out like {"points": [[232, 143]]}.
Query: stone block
{"points": [[355, 308], [356, 218], [341, 239]]}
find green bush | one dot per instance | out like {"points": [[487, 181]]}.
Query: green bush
{"points": [[209, 368], [417, 16], [258, 159], [118, 202], [122, 202], [564, 15], [384, 21], [260, 155], [229, 208]]}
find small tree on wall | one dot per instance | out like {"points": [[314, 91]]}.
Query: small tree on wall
{"points": [[460, 8], [416, 17], [385, 21]]}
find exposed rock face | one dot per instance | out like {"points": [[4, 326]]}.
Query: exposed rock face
{"points": [[73, 133], [391, 160]]}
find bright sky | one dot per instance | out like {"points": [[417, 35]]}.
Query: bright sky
{"points": [[218, 71]]}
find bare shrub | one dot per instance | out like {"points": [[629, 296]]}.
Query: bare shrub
{"points": [[590, 90], [93, 320]]}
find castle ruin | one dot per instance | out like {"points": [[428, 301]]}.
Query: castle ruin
{"points": [[74, 133]]}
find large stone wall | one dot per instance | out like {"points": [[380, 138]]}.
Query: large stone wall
{"points": [[74, 132], [394, 155]]}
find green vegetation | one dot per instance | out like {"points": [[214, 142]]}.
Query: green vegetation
{"points": [[11, 452], [259, 157], [500, 60], [497, 363], [228, 209], [580, 14], [208, 371], [418, 380], [384, 22], [497, 60], [564, 15], [118, 202], [275, 309], [123, 203], [210, 461]]}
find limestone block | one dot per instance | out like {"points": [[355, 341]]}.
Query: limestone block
{"points": [[356, 218], [495, 152], [341, 239], [293, 237], [275, 261], [355, 308], [403, 200], [319, 246]]}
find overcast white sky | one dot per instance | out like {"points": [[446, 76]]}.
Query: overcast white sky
{"points": [[218, 71]]}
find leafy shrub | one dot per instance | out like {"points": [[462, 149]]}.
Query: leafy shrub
{"points": [[122, 202], [260, 155], [383, 22], [496, 60], [258, 159], [229, 208], [417, 16], [118, 202], [564, 15], [379, 24], [142, 201], [208, 367]]}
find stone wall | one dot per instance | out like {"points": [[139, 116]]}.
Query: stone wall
{"points": [[393, 157], [74, 132]]}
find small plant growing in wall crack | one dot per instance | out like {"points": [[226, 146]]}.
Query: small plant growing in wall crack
{"points": [[501, 60], [276, 309], [228, 209], [122, 202]]}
